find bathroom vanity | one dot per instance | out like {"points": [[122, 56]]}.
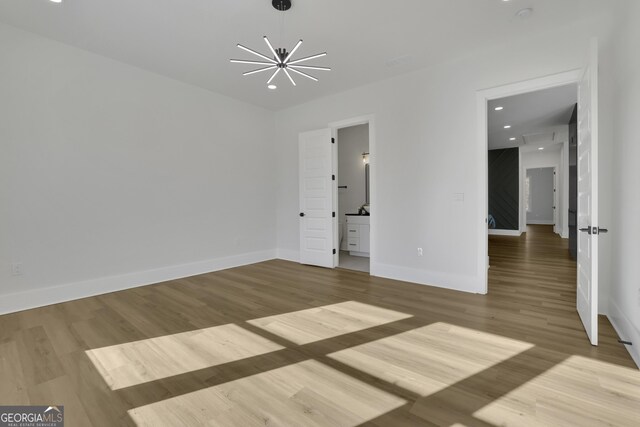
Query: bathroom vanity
{"points": [[358, 235]]}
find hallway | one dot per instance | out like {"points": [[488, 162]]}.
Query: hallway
{"points": [[534, 275]]}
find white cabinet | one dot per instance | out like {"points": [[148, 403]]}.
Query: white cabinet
{"points": [[358, 235]]}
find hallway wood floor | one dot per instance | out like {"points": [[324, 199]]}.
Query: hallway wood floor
{"points": [[278, 343]]}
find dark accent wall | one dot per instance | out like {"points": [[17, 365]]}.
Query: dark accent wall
{"points": [[504, 191]]}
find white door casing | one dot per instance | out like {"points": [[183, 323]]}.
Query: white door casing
{"points": [[587, 286], [316, 198], [555, 200]]}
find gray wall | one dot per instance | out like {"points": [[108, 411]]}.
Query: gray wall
{"points": [[504, 196], [540, 197]]}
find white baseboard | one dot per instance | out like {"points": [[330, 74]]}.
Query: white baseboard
{"points": [[540, 222], [288, 255], [497, 232], [471, 284], [626, 331], [72, 291]]}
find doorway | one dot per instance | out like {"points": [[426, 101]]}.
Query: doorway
{"points": [[320, 210], [540, 197], [586, 83], [354, 194]]}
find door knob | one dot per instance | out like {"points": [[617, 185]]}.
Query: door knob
{"points": [[301, 214]]}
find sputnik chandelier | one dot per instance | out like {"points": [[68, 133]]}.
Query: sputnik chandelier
{"points": [[281, 60]]}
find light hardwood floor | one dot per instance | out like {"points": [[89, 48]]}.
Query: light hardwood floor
{"points": [[278, 343]]}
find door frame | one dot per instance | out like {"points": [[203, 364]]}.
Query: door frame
{"points": [[482, 101], [555, 168], [373, 199]]}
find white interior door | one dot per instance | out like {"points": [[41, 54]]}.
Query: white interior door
{"points": [[587, 292], [316, 198]]}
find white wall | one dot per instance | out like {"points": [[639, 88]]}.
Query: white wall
{"points": [[111, 176], [624, 234], [352, 142], [541, 197], [426, 152]]}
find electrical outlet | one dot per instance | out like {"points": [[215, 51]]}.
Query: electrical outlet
{"points": [[16, 269], [419, 251]]}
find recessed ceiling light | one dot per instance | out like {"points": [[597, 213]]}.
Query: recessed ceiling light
{"points": [[272, 87], [55, 1], [541, 148], [512, 139], [507, 127], [499, 108]]}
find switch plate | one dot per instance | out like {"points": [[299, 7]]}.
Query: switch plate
{"points": [[16, 269], [419, 251]]}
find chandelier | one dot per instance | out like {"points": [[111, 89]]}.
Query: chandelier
{"points": [[281, 60]]}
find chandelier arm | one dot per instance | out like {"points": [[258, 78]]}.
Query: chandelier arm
{"points": [[303, 74], [275, 55], [243, 61], [292, 52], [310, 67], [274, 75], [289, 75], [259, 70], [273, 61], [308, 58]]}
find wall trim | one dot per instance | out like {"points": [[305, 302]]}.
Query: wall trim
{"points": [[471, 284], [497, 232], [625, 330], [288, 255], [72, 291]]}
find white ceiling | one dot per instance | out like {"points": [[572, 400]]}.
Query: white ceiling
{"points": [[366, 40], [537, 119]]}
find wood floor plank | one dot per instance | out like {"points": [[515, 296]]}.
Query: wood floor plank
{"points": [[278, 343]]}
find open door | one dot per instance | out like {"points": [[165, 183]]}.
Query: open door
{"points": [[316, 198], [587, 291]]}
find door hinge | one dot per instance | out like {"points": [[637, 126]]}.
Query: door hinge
{"points": [[334, 251], [333, 177], [333, 140], [333, 214]]}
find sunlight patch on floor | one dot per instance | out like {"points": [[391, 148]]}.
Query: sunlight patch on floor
{"points": [[319, 323], [576, 392], [306, 393], [428, 359], [137, 362]]}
